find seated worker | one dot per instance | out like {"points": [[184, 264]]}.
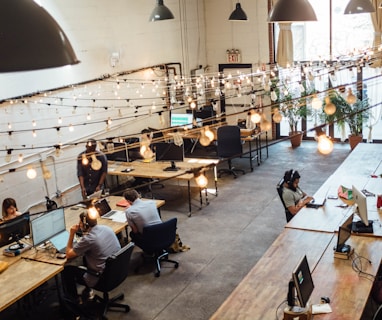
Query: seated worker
{"points": [[96, 245], [294, 198], [140, 213], [10, 209]]}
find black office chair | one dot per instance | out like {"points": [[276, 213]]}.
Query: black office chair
{"points": [[155, 240], [280, 188], [115, 272], [229, 146], [378, 314]]}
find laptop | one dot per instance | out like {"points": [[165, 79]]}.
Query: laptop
{"points": [[316, 202], [104, 209], [60, 241]]}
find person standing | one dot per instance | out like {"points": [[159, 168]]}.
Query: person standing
{"points": [[91, 169]]}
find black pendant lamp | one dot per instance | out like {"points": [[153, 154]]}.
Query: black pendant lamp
{"points": [[161, 12], [238, 14], [30, 39]]}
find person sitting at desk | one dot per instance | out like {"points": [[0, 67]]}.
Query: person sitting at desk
{"points": [[294, 198], [140, 213], [10, 209], [96, 245]]}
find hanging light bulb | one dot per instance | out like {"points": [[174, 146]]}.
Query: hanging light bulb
{"points": [[71, 128], [316, 103], [58, 150], [84, 161], [31, 172], [273, 95], [265, 125], [96, 164], [146, 152], [110, 146], [20, 158], [201, 180], [329, 108], [277, 117], [255, 117], [93, 212], [88, 117], [34, 134], [8, 156], [324, 143], [203, 139], [210, 135], [351, 98], [46, 174]]}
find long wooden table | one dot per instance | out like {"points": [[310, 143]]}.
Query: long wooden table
{"points": [[155, 170], [262, 293], [22, 277]]}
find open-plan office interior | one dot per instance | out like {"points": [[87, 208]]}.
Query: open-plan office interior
{"points": [[133, 74]]}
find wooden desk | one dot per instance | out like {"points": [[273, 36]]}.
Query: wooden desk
{"points": [[263, 291], [265, 287], [155, 170], [22, 278]]}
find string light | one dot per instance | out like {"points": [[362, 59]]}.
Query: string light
{"points": [[20, 158], [201, 180], [31, 172]]}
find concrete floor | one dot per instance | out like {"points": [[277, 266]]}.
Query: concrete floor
{"points": [[227, 238]]}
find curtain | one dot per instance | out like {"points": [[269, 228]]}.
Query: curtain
{"points": [[376, 18], [284, 55]]}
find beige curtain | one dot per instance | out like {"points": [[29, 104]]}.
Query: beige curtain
{"points": [[376, 17], [284, 55]]}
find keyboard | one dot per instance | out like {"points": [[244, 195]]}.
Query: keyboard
{"points": [[109, 214]]}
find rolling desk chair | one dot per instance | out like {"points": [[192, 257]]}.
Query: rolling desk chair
{"points": [[229, 145], [155, 240], [280, 188]]}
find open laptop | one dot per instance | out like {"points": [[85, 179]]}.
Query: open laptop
{"points": [[59, 241], [104, 209], [317, 202]]}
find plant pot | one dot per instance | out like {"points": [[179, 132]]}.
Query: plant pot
{"points": [[295, 138], [354, 140]]}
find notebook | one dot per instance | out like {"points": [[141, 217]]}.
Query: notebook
{"points": [[104, 209], [316, 202], [59, 241]]}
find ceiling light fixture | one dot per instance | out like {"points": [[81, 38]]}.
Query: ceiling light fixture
{"points": [[359, 6], [292, 10], [238, 14], [31, 38], [161, 12]]}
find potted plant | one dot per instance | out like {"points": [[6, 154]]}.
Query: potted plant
{"points": [[352, 111]]}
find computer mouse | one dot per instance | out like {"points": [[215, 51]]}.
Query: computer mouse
{"points": [[325, 299]]}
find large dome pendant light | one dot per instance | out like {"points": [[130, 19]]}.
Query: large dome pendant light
{"points": [[31, 39], [161, 12], [359, 6], [291, 11]]}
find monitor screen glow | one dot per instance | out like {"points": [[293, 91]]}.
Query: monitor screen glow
{"points": [[181, 120], [47, 225], [303, 281], [360, 203]]}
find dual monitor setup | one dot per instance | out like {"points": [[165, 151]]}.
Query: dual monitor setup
{"points": [[164, 152], [48, 226]]}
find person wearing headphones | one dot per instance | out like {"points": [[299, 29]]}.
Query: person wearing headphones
{"points": [[294, 198], [98, 242]]}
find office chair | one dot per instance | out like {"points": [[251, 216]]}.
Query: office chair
{"points": [[228, 146], [280, 188], [155, 240], [378, 314], [115, 272]]}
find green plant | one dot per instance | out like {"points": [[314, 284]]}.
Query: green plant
{"points": [[354, 115]]}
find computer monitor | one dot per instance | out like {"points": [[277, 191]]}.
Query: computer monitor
{"points": [[15, 229], [302, 282], [360, 205], [120, 152], [181, 120], [169, 152], [47, 225], [344, 232]]}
